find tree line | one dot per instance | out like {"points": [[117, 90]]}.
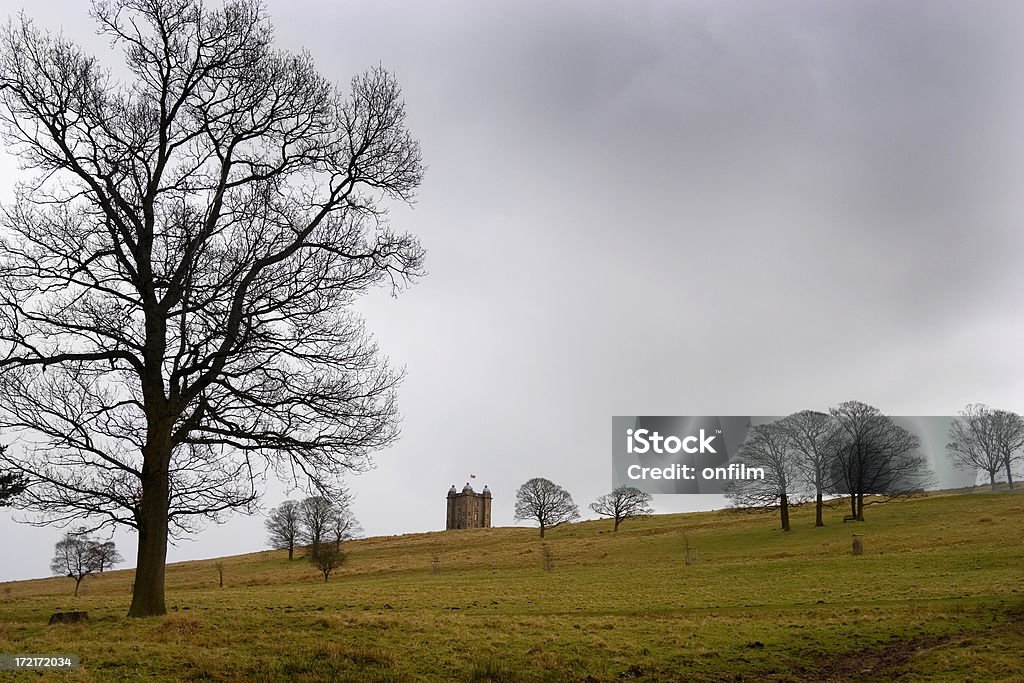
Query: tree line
{"points": [[545, 502], [319, 524], [855, 450]]}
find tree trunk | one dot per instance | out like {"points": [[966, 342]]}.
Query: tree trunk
{"points": [[785, 512], [853, 505], [992, 480], [542, 529], [617, 520], [78, 581], [860, 507], [291, 550], [1009, 475], [817, 511], [148, 598]]}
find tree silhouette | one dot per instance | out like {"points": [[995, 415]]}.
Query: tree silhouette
{"points": [[987, 440], [284, 526], [622, 503], [768, 447], [877, 456], [176, 277], [546, 502], [77, 555], [815, 437]]}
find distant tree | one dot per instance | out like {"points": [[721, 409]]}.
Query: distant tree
{"points": [[343, 525], [974, 443], [178, 272], [546, 502], [284, 526], [75, 556], [815, 437], [622, 503], [326, 520], [768, 447], [877, 456], [317, 513], [106, 555], [219, 566], [328, 558], [1009, 435]]}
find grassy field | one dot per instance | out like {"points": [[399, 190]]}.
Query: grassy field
{"points": [[937, 595]]}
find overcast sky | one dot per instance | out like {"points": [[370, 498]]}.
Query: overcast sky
{"points": [[668, 208]]}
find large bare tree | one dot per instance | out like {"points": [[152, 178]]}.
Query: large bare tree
{"points": [[877, 456], [974, 442], [175, 277], [769, 448]]}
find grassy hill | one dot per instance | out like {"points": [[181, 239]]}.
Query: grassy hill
{"points": [[937, 595]]}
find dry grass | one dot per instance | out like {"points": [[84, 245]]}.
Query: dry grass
{"points": [[937, 594]]}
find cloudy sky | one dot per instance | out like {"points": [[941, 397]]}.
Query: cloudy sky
{"points": [[677, 208]]}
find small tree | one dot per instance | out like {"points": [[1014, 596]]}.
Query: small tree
{"points": [[106, 555], [768, 447], [328, 558], [546, 502], [284, 527], [219, 566], [549, 558], [74, 556], [622, 503]]}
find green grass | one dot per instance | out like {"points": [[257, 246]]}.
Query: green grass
{"points": [[937, 595]]}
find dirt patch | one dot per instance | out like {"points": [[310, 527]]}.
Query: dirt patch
{"points": [[872, 664]]}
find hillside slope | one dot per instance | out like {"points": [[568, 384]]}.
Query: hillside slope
{"points": [[936, 596]]}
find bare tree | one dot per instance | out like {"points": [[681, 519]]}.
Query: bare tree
{"points": [[973, 442], [546, 502], [1009, 436], [328, 558], [815, 437], [106, 555], [74, 556], [176, 279], [317, 513], [284, 526], [343, 525], [622, 503], [769, 448], [877, 456]]}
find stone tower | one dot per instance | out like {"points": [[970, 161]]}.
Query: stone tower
{"points": [[469, 509]]}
